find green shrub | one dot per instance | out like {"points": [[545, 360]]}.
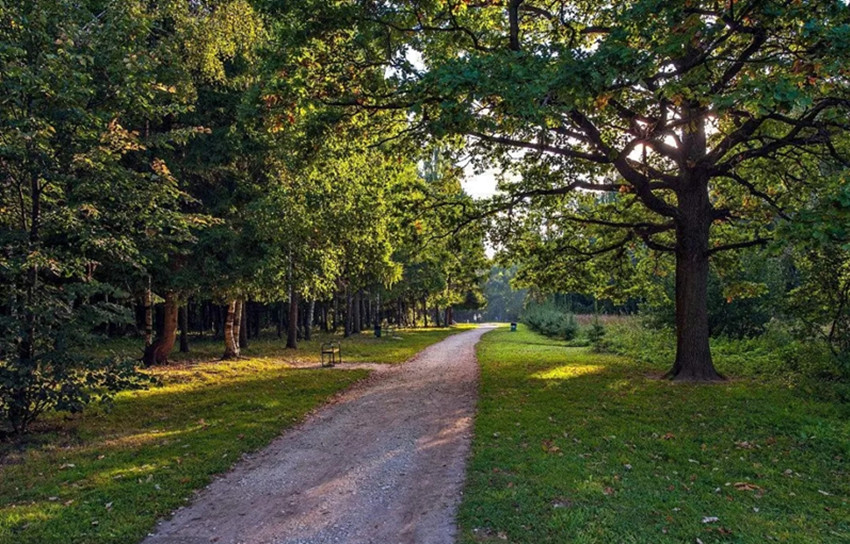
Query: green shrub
{"points": [[777, 355], [596, 335], [551, 320]]}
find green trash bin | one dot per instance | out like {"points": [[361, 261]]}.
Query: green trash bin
{"points": [[513, 327]]}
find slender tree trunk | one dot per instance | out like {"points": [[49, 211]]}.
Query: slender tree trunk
{"points": [[425, 312], [184, 328], [437, 316], [243, 326], [148, 304], [280, 320], [157, 353], [325, 317], [356, 313], [349, 319], [335, 312], [308, 323], [231, 337], [292, 331], [693, 355]]}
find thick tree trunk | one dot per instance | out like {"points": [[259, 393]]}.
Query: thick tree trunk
{"points": [[292, 330], [231, 336], [693, 355], [437, 316], [184, 328], [157, 353]]}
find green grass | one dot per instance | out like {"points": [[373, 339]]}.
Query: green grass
{"points": [[358, 348], [572, 446], [106, 476]]}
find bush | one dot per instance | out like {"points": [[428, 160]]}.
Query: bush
{"points": [[777, 355], [45, 361], [596, 335], [551, 320]]}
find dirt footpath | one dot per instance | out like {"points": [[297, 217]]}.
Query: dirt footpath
{"points": [[384, 464]]}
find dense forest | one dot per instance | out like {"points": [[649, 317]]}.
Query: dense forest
{"points": [[175, 166]]}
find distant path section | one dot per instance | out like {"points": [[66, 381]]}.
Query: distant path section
{"points": [[384, 464]]}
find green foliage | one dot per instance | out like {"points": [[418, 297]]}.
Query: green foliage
{"points": [[550, 319], [504, 303], [596, 335], [572, 446], [78, 195], [745, 291], [779, 355], [820, 244]]}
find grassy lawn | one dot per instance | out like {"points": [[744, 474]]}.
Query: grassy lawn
{"points": [[572, 446], [358, 348], [106, 475]]}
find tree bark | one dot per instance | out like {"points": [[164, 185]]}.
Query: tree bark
{"points": [[243, 326], [693, 355], [308, 323], [148, 303], [349, 319], [356, 313], [292, 330], [425, 312], [157, 353], [231, 337], [183, 316]]}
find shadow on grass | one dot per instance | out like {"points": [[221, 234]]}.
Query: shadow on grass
{"points": [[573, 446], [120, 470]]}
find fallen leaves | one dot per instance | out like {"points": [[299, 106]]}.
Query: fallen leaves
{"points": [[549, 446], [746, 486]]}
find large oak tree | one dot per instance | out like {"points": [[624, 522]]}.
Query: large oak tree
{"points": [[704, 122]]}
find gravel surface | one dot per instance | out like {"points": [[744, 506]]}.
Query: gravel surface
{"points": [[384, 463]]}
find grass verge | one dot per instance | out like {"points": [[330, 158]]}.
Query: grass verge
{"points": [[572, 446], [358, 348], [106, 476]]}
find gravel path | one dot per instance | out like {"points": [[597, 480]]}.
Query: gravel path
{"points": [[383, 464]]}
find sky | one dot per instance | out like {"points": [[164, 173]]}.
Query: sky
{"points": [[479, 185]]}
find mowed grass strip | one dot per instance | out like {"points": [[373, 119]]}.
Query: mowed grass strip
{"points": [[572, 446], [106, 476]]}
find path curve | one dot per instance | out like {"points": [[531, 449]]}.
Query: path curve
{"points": [[383, 464]]}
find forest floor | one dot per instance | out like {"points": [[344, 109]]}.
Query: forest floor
{"points": [[385, 463], [106, 475], [575, 446]]}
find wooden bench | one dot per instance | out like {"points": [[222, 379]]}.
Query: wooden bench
{"points": [[331, 353]]}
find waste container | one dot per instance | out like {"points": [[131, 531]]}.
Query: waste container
{"points": [[513, 327]]}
